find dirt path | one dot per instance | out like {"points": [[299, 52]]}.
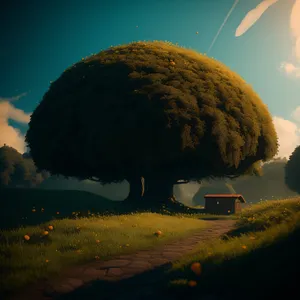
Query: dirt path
{"points": [[124, 266]]}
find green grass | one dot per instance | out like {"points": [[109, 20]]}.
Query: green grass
{"points": [[81, 240], [258, 260], [204, 216], [264, 242], [16, 205]]}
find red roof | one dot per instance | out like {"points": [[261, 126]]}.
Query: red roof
{"points": [[239, 196]]}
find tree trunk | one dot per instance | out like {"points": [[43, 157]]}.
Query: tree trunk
{"points": [[152, 192], [158, 191], [136, 190]]}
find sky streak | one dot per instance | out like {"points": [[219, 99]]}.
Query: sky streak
{"points": [[223, 24]]}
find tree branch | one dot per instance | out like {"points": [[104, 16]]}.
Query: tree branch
{"points": [[93, 179], [182, 182], [232, 176]]}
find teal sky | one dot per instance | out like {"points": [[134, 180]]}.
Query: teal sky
{"points": [[42, 38]]}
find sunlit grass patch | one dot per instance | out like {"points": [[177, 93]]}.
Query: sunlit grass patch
{"points": [[74, 241], [217, 217], [266, 214], [266, 258]]}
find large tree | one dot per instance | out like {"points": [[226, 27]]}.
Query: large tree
{"points": [[152, 113], [292, 171]]}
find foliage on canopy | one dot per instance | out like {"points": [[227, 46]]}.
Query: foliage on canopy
{"points": [[17, 169], [150, 108], [292, 171]]}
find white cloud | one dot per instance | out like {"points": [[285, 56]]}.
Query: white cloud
{"points": [[8, 134], [291, 68], [253, 15], [296, 115], [288, 136], [295, 26]]}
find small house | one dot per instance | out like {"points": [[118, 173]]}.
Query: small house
{"points": [[223, 204]]}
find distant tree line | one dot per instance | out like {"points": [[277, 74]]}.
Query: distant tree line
{"points": [[17, 170], [272, 184], [292, 171]]}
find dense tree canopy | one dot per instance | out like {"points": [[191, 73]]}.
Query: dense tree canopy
{"points": [[152, 110], [292, 171], [17, 169]]}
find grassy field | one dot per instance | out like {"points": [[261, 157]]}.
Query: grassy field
{"points": [[68, 242], [258, 260], [17, 205], [24, 207]]}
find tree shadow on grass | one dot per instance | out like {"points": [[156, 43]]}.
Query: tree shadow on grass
{"points": [[30, 207]]}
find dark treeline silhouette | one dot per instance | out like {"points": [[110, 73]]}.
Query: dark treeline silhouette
{"points": [[292, 171]]}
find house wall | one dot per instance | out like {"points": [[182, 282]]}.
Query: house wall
{"points": [[238, 206], [220, 206]]}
